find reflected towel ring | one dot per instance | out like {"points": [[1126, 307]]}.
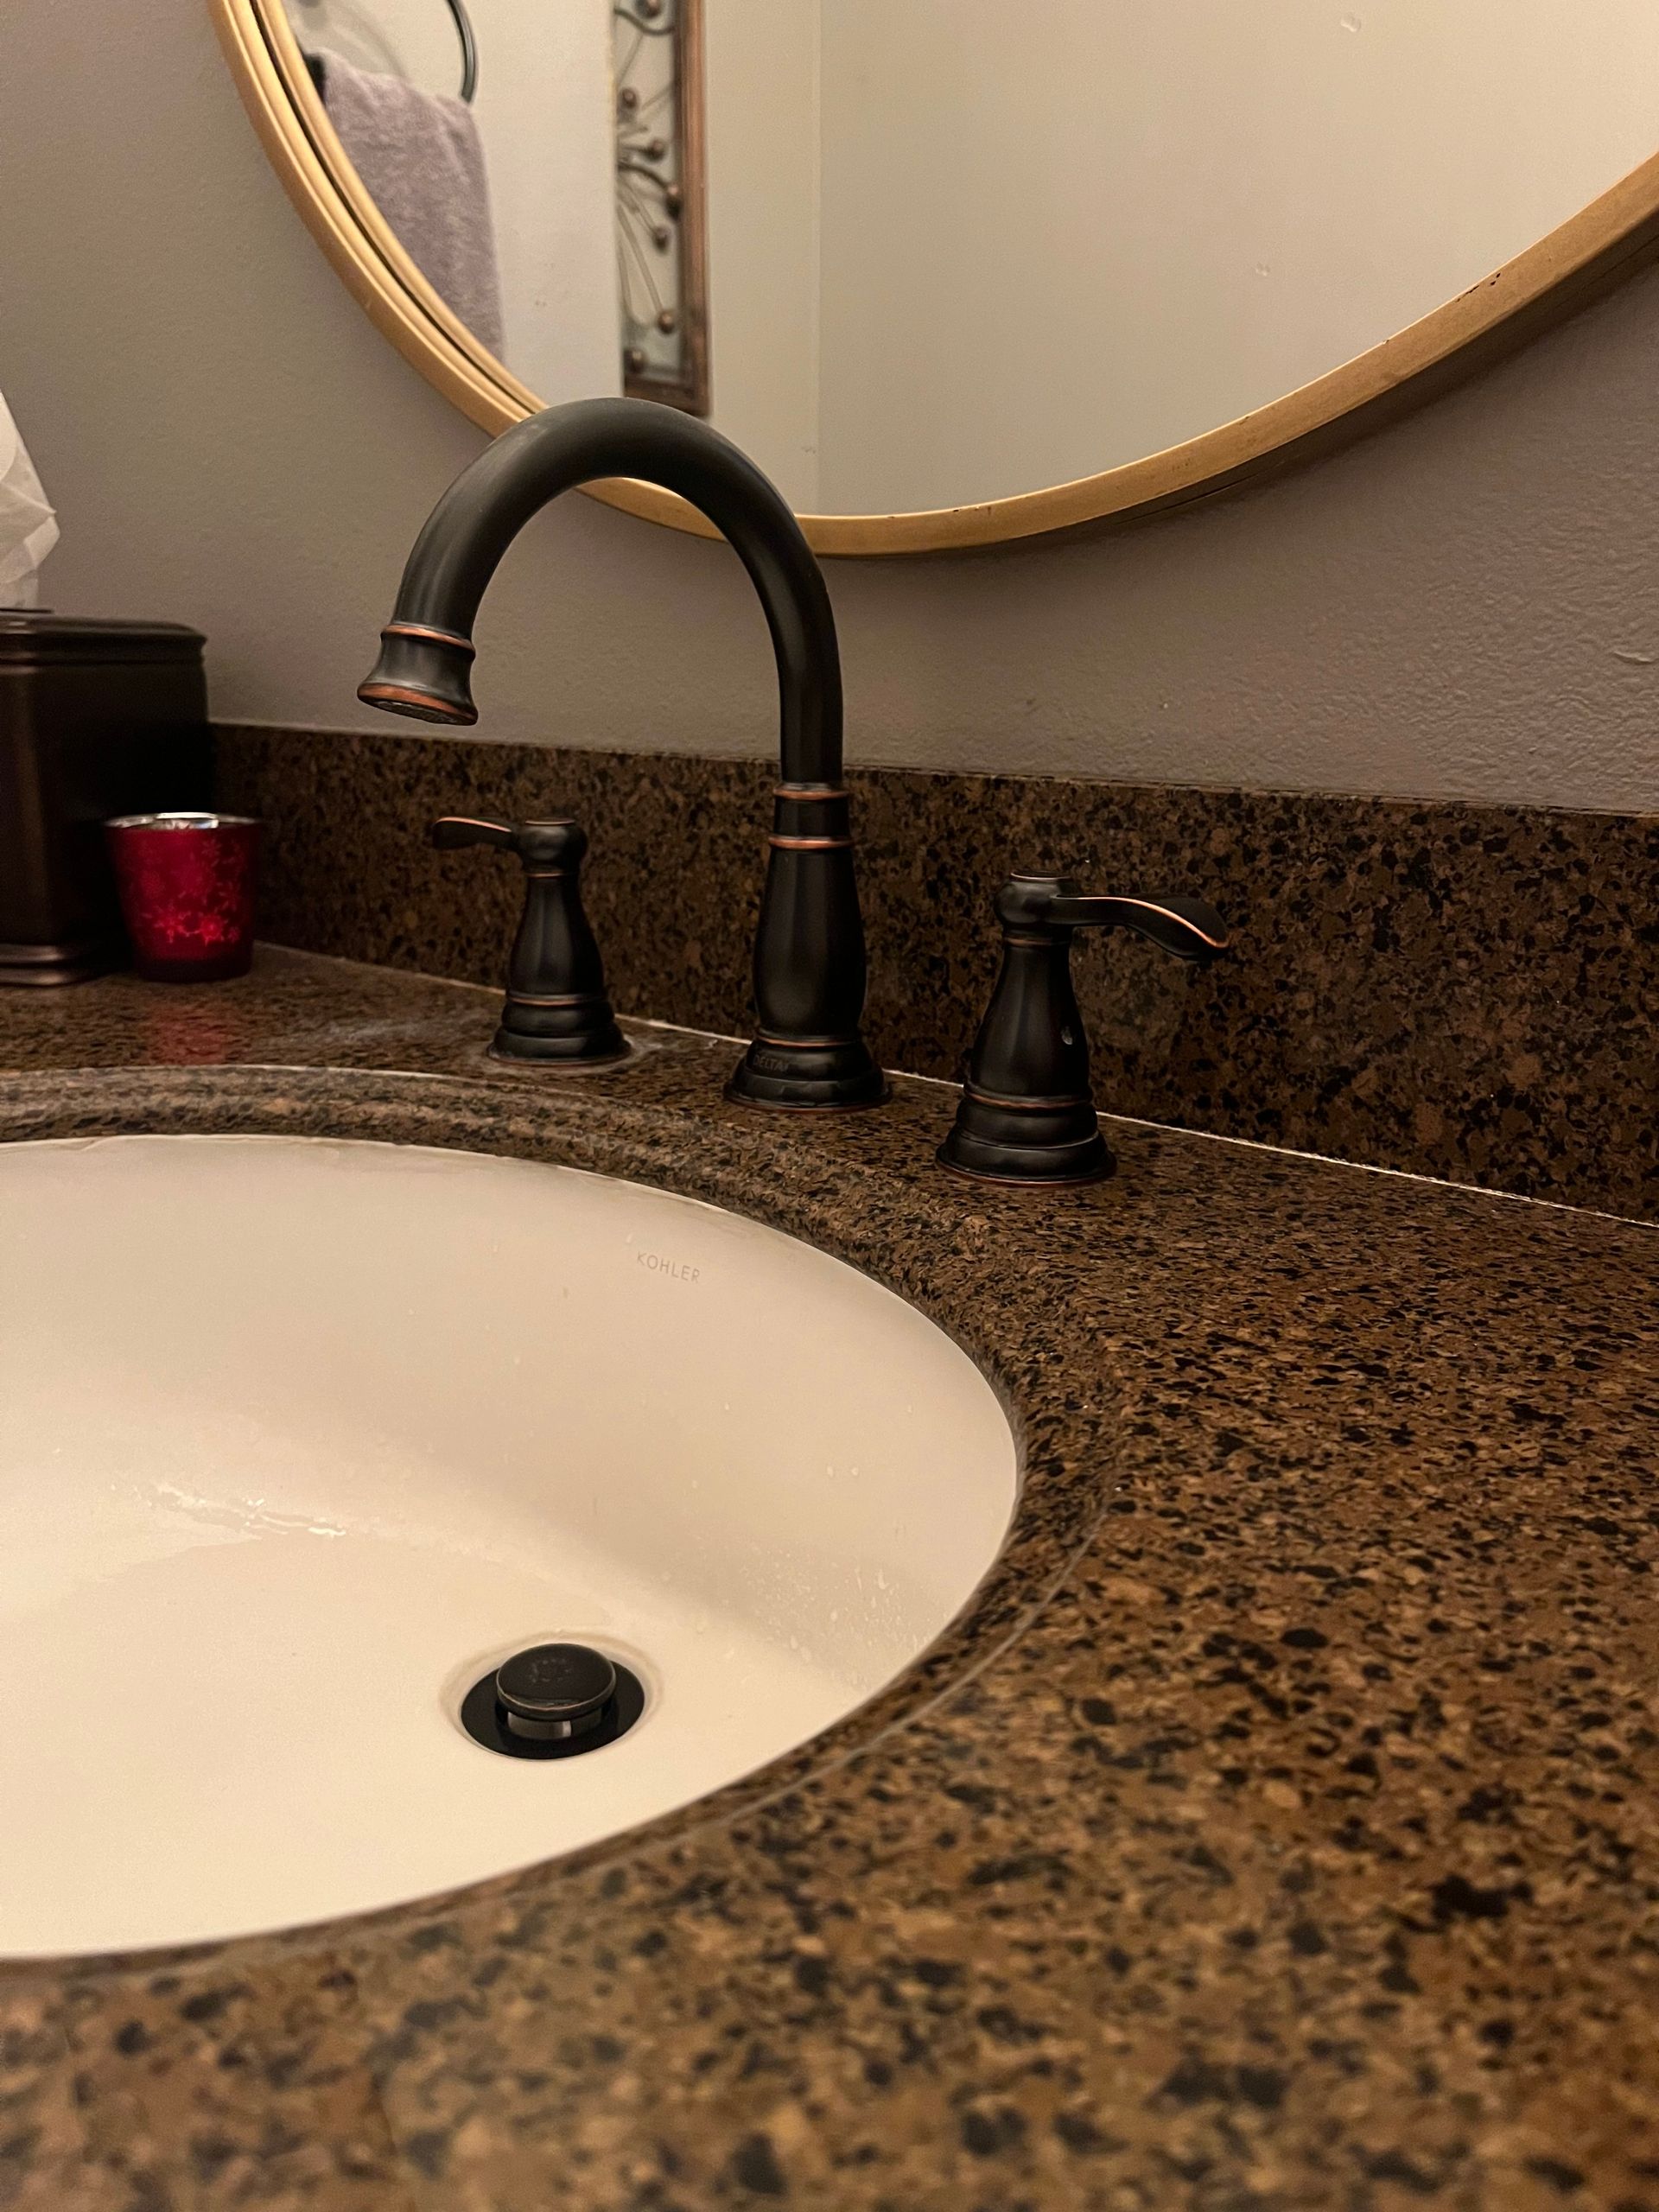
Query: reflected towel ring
{"points": [[468, 56], [468, 48]]}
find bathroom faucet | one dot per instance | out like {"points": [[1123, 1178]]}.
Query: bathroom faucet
{"points": [[809, 947]]}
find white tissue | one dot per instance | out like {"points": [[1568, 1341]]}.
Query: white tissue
{"points": [[28, 529]]}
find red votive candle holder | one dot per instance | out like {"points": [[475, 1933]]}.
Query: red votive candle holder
{"points": [[185, 883]]}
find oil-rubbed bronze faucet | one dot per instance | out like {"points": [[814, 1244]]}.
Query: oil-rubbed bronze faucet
{"points": [[808, 948]]}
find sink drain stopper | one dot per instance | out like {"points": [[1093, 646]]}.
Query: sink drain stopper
{"points": [[552, 1702]]}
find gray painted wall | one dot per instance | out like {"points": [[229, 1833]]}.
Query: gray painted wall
{"points": [[1466, 605]]}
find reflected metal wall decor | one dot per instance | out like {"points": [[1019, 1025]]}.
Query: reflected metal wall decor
{"points": [[661, 211]]}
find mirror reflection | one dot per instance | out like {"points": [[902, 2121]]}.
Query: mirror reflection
{"points": [[915, 254]]}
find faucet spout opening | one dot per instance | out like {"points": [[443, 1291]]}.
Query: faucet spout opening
{"points": [[421, 672]]}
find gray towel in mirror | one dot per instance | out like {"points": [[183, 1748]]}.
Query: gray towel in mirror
{"points": [[421, 160]]}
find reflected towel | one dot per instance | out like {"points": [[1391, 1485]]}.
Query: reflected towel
{"points": [[420, 158]]}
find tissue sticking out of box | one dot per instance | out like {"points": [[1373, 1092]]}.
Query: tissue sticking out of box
{"points": [[28, 529]]}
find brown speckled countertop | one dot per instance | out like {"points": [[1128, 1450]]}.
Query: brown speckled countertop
{"points": [[1280, 1827]]}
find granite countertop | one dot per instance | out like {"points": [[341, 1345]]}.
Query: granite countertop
{"points": [[1279, 1827]]}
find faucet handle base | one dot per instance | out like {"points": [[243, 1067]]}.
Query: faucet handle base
{"points": [[588, 1038], [1030, 1141], [809, 1075]]}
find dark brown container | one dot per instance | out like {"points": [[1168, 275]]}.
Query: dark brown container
{"points": [[95, 719]]}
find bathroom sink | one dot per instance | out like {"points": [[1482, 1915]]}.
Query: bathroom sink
{"points": [[301, 1438]]}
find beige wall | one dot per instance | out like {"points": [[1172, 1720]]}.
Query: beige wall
{"points": [[1465, 605]]}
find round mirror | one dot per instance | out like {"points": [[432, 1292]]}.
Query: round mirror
{"points": [[958, 270]]}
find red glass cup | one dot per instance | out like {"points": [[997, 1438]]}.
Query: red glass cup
{"points": [[185, 883]]}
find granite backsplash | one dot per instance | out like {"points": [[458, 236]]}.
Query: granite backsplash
{"points": [[1470, 991]]}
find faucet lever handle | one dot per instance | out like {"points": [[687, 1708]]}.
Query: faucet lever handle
{"points": [[552, 841], [450, 831], [1188, 928], [557, 1008]]}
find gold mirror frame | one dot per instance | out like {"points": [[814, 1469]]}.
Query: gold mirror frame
{"points": [[1585, 256]]}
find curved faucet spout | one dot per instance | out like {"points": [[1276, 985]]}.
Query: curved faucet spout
{"points": [[809, 952], [478, 518]]}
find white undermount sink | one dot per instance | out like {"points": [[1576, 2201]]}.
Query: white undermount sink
{"points": [[298, 1439]]}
